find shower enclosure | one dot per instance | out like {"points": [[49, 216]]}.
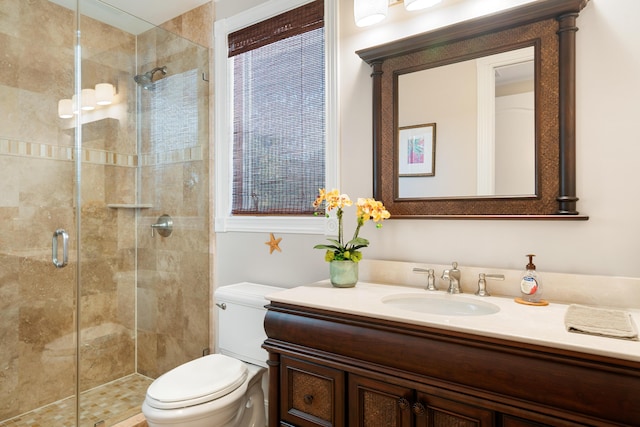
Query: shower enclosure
{"points": [[91, 295]]}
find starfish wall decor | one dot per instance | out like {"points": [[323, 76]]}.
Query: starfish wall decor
{"points": [[273, 244]]}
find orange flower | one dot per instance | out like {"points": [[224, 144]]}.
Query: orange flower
{"points": [[371, 209], [333, 199], [366, 209]]}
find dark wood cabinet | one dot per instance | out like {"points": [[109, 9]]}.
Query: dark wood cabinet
{"points": [[451, 413], [373, 402], [312, 394], [519, 422], [377, 403], [335, 369]]}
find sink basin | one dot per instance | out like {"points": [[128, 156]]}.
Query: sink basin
{"points": [[448, 305]]}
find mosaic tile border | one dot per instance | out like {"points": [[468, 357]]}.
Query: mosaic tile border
{"points": [[101, 157], [110, 158], [35, 149]]}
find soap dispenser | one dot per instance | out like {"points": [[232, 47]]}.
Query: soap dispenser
{"points": [[530, 285]]}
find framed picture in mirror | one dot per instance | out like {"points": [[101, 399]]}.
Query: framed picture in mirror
{"points": [[417, 150]]}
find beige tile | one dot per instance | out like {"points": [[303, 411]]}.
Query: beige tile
{"points": [[148, 310], [10, 60], [120, 185], [106, 358], [148, 354], [195, 25], [9, 188]]}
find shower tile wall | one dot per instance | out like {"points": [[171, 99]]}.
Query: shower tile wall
{"points": [[36, 197], [173, 278]]}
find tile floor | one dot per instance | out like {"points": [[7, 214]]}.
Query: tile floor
{"points": [[111, 403]]}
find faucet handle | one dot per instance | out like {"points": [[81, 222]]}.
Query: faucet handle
{"points": [[454, 272], [482, 283], [431, 277]]}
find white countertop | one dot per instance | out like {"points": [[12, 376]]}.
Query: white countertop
{"points": [[541, 325]]}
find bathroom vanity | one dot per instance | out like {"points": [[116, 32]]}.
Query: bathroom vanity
{"points": [[342, 357]]}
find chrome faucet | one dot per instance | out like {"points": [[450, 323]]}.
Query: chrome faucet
{"points": [[431, 278], [453, 276], [482, 283]]}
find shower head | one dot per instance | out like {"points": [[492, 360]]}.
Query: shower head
{"points": [[146, 80]]}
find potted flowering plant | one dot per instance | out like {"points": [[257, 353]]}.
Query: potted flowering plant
{"points": [[344, 256]]}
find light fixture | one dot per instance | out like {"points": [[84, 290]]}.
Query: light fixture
{"points": [[88, 99], [412, 5], [65, 108], [369, 12], [104, 93]]}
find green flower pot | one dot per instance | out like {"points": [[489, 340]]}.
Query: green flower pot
{"points": [[343, 274]]}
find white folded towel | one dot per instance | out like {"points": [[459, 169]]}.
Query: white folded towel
{"points": [[600, 321]]}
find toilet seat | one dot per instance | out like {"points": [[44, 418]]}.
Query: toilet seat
{"points": [[199, 381]]}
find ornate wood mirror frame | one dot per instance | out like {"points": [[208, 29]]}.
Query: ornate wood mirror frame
{"points": [[549, 26]]}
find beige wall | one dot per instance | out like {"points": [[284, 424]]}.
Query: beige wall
{"points": [[422, 99]]}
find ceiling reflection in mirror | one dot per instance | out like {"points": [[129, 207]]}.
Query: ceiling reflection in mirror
{"points": [[484, 109]]}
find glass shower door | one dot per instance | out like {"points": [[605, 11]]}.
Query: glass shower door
{"points": [[109, 388], [143, 301], [37, 174], [127, 306]]}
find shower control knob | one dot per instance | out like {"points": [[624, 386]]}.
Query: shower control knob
{"points": [[164, 225]]}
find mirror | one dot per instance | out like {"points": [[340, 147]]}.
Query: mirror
{"points": [[478, 119], [484, 108]]}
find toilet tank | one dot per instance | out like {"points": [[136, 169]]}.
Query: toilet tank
{"points": [[240, 326]]}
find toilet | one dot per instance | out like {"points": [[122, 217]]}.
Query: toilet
{"points": [[223, 389]]}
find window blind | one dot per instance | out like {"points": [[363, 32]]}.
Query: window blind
{"points": [[296, 21], [279, 113]]}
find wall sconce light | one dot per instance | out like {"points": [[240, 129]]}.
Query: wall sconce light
{"points": [[412, 5], [88, 99], [104, 93], [65, 108], [369, 12]]}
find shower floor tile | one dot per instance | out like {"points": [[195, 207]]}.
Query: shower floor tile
{"points": [[111, 403]]}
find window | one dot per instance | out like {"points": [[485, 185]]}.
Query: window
{"points": [[272, 124]]}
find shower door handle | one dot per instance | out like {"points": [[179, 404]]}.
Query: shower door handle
{"points": [[65, 248]]}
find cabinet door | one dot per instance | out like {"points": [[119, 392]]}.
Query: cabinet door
{"points": [[434, 411], [378, 404], [508, 421], [311, 395], [525, 419]]}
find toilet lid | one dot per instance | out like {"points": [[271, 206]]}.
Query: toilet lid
{"points": [[199, 381]]}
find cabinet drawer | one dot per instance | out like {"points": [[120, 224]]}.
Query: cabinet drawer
{"points": [[525, 419], [313, 395]]}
